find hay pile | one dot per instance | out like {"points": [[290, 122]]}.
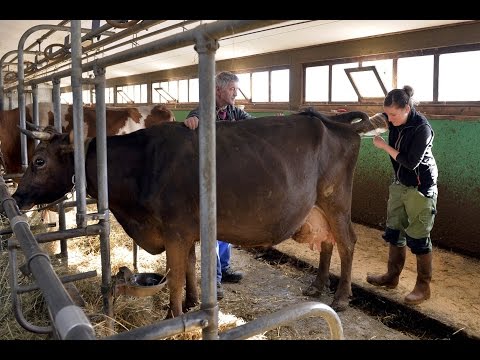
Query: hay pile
{"points": [[84, 255]]}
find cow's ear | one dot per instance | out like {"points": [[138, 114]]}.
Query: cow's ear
{"points": [[65, 149]]}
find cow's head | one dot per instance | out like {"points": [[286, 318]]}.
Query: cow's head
{"points": [[159, 114], [50, 171]]}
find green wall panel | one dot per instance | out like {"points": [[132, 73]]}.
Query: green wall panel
{"points": [[457, 151]]}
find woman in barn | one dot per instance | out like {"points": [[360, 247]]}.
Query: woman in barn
{"points": [[413, 193]]}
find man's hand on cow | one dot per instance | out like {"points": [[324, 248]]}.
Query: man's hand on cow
{"points": [[379, 142], [191, 122]]}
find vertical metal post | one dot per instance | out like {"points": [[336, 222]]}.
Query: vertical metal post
{"points": [[2, 88], [57, 122], [62, 225], [35, 115], [206, 48], [102, 201], [21, 106], [57, 107], [79, 152]]}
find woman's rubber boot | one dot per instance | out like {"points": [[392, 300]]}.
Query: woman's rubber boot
{"points": [[396, 261], [421, 291]]}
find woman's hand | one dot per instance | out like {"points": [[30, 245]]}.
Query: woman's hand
{"points": [[379, 142]]}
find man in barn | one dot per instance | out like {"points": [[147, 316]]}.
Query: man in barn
{"points": [[226, 87]]}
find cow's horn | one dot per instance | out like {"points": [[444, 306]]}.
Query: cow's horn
{"points": [[32, 126], [39, 135]]}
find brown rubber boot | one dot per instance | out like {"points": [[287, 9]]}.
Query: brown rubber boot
{"points": [[421, 291], [396, 260]]}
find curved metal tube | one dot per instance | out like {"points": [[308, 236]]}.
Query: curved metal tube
{"points": [[283, 316]]}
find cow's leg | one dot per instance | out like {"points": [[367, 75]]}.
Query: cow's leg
{"points": [[177, 255], [322, 280], [191, 296], [342, 230]]}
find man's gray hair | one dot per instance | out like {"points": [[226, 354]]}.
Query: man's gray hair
{"points": [[224, 78]]}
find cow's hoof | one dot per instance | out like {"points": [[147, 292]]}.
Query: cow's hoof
{"points": [[339, 305], [190, 304], [312, 291], [170, 314]]}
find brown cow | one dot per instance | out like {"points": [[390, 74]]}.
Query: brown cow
{"points": [[272, 172], [119, 121], [10, 140]]}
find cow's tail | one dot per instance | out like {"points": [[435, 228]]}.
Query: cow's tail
{"points": [[359, 121]]}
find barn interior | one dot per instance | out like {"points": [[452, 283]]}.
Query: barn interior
{"points": [[150, 61]]}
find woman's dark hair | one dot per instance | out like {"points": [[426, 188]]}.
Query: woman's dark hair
{"points": [[400, 98]]}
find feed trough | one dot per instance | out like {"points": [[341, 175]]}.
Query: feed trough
{"points": [[139, 285]]}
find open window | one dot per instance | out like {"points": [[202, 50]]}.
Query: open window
{"points": [[367, 83], [125, 97], [165, 95]]}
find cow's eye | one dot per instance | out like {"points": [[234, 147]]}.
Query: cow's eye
{"points": [[39, 162]]}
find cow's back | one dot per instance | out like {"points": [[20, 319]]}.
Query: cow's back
{"points": [[260, 162]]}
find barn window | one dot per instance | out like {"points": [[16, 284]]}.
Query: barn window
{"points": [[66, 98], [193, 95], [86, 97], [385, 71], [244, 85], [280, 85], [342, 89], [417, 71], [316, 83], [132, 94], [455, 69], [109, 99], [183, 91], [260, 86], [367, 83]]}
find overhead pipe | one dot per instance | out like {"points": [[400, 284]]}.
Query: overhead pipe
{"points": [[215, 30], [2, 60], [21, 86], [88, 36], [113, 37], [104, 50]]}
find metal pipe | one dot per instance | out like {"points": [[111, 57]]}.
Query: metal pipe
{"points": [[36, 120], [69, 319], [113, 37], [20, 86], [79, 152], [57, 105], [102, 198], [62, 226], [88, 36], [124, 33], [215, 30], [94, 229], [16, 302], [64, 279], [206, 48], [2, 60], [180, 324], [168, 28], [284, 316]]}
